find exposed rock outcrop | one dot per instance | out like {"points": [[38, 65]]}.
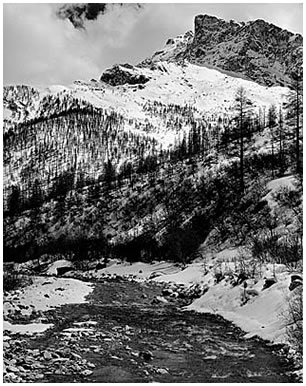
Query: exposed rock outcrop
{"points": [[123, 74], [257, 50]]}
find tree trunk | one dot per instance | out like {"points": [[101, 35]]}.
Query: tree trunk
{"points": [[297, 129], [241, 151]]}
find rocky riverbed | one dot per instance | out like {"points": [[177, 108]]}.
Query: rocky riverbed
{"points": [[137, 332]]}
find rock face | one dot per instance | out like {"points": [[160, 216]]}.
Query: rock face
{"points": [[174, 50], [123, 74], [257, 50], [260, 50]]}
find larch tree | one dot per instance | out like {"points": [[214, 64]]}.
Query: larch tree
{"points": [[243, 110], [295, 113], [272, 121]]}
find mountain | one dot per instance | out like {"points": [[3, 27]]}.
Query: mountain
{"points": [[137, 159], [258, 50]]}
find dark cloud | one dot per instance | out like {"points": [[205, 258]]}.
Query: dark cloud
{"points": [[78, 14]]}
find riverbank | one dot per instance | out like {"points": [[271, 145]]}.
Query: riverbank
{"points": [[211, 286], [118, 333]]}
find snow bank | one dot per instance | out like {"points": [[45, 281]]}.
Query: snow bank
{"points": [[52, 270], [46, 293], [192, 274], [42, 295], [262, 315], [274, 185], [26, 328], [139, 269]]}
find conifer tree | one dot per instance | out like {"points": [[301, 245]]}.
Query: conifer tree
{"points": [[295, 113], [243, 110]]}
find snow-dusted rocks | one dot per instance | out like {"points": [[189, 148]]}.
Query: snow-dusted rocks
{"points": [[30, 302], [260, 50], [123, 74]]}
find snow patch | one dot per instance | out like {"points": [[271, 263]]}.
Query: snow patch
{"points": [[28, 329]]}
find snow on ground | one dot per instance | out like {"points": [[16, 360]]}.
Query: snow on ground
{"points": [[262, 315], [26, 328], [192, 274], [274, 185], [46, 293], [139, 269], [43, 294], [52, 270], [208, 90]]}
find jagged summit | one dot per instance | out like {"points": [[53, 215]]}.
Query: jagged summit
{"points": [[260, 50], [256, 50]]}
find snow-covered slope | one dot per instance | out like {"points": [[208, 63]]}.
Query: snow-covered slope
{"points": [[208, 90]]}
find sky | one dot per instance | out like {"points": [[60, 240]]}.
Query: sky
{"points": [[46, 44]]}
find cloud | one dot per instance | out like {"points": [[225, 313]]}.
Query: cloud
{"points": [[42, 49], [78, 14]]}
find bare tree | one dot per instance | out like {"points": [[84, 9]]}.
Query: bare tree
{"points": [[295, 112], [242, 106]]}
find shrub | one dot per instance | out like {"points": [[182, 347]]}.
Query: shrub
{"points": [[11, 281], [294, 320]]}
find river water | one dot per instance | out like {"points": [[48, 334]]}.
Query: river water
{"points": [[137, 341]]}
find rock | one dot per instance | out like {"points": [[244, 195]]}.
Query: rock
{"points": [[66, 352], [12, 369], [167, 292], [269, 281], [86, 373], [100, 266], [34, 352], [146, 355], [296, 281], [162, 371], [252, 292], [91, 365], [76, 356], [161, 299], [77, 368], [85, 318], [39, 376], [120, 74], [47, 355], [153, 275], [250, 47], [293, 285]]}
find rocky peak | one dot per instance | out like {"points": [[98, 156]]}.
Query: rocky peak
{"points": [[255, 50], [260, 50]]}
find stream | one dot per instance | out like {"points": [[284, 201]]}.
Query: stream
{"points": [[126, 336]]}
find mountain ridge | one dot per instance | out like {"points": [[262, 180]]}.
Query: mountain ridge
{"points": [[257, 49]]}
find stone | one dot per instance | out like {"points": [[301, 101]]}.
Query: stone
{"points": [[146, 355], [47, 355], [269, 281], [34, 352], [12, 369], [87, 373], [162, 371], [76, 356]]}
